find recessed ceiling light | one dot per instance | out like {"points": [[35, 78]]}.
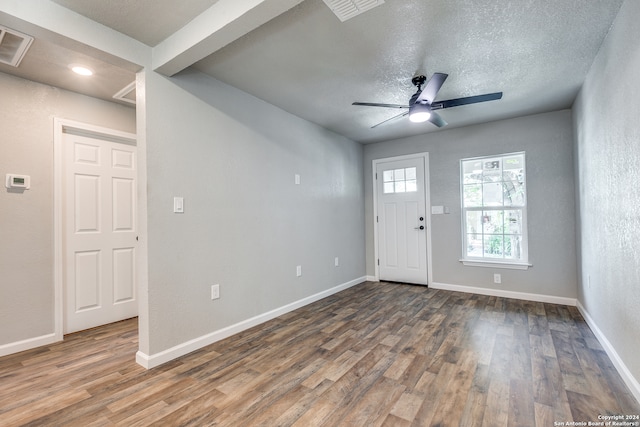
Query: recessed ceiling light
{"points": [[81, 69]]}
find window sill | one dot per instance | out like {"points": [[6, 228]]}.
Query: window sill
{"points": [[496, 264]]}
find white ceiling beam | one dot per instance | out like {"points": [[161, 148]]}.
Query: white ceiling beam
{"points": [[222, 23], [45, 19]]}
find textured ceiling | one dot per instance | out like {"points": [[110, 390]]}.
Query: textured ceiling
{"points": [[309, 63], [306, 61]]}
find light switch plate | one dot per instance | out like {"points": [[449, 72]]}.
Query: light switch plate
{"points": [[178, 205]]}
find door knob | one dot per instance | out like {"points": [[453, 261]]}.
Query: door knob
{"points": [[419, 228]]}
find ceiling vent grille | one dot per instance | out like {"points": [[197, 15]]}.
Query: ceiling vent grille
{"points": [[347, 9], [13, 46]]}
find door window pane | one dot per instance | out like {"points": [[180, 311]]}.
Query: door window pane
{"points": [[400, 180], [410, 174], [387, 176], [388, 187]]}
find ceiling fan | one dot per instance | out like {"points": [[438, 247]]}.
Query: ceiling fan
{"points": [[422, 105]]}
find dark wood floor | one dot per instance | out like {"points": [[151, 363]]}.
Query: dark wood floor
{"points": [[375, 354]]}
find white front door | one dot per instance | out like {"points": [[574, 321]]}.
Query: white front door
{"points": [[99, 237], [402, 220]]}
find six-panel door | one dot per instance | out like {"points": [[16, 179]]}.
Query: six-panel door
{"points": [[99, 232]]}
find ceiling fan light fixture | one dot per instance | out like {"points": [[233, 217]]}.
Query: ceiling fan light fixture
{"points": [[422, 103], [419, 113]]}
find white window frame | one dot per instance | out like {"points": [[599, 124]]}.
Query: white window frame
{"points": [[482, 261]]}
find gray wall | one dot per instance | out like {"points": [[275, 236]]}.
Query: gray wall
{"points": [[547, 141], [246, 225], [607, 137], [27, 111]]}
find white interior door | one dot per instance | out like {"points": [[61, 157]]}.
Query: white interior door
{"points": [[402, 220], [99, 231]]}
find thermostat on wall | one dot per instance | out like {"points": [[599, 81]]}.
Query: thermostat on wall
{"points": [[18, 181]]}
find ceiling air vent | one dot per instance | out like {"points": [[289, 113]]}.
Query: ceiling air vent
{"points": [[13, 46], [347, 9]]}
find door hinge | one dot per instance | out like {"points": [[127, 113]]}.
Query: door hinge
{"points": [[377, 218], [376, 175], [378, 261]]}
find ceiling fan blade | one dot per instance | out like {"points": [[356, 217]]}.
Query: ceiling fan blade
{"points": [[438, 105], [431, 89], [375, 104], [437, 120], [392, 118]]}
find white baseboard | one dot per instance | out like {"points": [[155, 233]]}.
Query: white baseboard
{"points": [[505, 294], [157, 359], [371, 278], [28, 344], [624, 372]]}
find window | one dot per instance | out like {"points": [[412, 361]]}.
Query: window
{"points": [[494, 210], [399, 180]]}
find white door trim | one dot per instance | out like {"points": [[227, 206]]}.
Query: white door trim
{"points": [[61, 126], [427, 199]]}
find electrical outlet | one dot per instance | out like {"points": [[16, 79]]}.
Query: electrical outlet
{"points": [[298, 271], [215, 291], [296, 179], [497, 278], [336, 262]]}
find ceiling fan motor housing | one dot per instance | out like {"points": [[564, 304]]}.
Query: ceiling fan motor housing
{"points": [[418, 80]]}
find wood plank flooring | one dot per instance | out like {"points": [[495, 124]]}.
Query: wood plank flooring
{"points": [[377, 354]]}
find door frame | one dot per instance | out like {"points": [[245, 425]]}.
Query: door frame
{"points": [[427, 201], [60, 127]]}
